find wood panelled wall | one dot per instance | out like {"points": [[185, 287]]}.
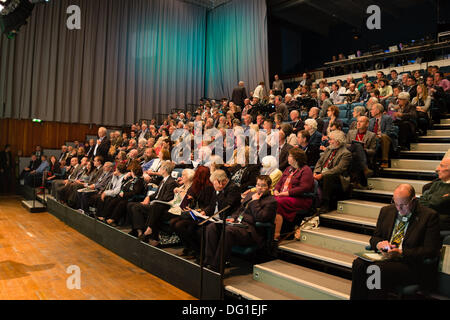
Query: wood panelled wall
{"points": [[25, 135]]}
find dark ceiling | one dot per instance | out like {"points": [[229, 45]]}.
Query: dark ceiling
{"points": [[321, 16]]}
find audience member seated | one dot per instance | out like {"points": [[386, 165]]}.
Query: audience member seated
{"points": [[382, 125], [312, 151], [353, 94], [333, 114], [34, 178], [73, 172], [422, 102], [314, 114], [332, 171], [405, 118], [297, 179], [114, 209], [53, 170], [362, 144], [140, 213], [406, 234], [315, 135], [242, 173], [357, 112], [385, 90], [283, 151], [269, 167], [113, 188], [226, 194], [199, 196], [437, 197], [94, 187], [326, 103], [259, 206], [68, 194], [158, 213], [32, 166], [296, 122]]}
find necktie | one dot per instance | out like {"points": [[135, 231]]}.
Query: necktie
{"points": [[159, 190], [399, 233], [375, 128]]}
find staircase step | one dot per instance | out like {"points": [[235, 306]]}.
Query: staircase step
{"points": [[428, 165], [318, 253], [350, 218], [437, 139], [442, 126], [333, 239], [438, 133], [389, 184], [248, 288], [445, 121], [366, 209], [303, 282], [442, 147], [423, 155]]}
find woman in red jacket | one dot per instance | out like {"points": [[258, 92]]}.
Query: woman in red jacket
{"points": [[297, 179]]}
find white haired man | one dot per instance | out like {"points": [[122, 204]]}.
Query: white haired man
{"points": [[332, 171]]}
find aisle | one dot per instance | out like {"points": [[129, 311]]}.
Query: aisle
{"points": [[37, 249]]}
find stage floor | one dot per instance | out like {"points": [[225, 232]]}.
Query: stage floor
{"points": [[37, 249]]}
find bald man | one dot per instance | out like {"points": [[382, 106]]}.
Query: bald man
{"points": [[437, 197], [406, 234]]}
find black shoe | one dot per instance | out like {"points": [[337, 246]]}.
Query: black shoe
{"points": [[324, 209], [133, 233]]}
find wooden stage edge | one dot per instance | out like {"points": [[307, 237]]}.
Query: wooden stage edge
{"points": [[181, 273]]}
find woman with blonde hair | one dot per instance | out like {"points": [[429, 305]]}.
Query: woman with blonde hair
{"points": [[422, 102]]}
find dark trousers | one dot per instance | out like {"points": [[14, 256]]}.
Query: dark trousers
{"points": [[359, 162], [393, 273], [407, 132], [33, 180], [214, 246], [137, 213], [6, 180], [331, 190], [86, 200], [188, 231]]}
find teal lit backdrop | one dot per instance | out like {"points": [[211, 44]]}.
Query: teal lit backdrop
{"points": [[131, 59]]}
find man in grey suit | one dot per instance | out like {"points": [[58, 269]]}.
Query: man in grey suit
{"points": [[362, 144], [383, 127], [96, 187], [73, 173], [332, 171]]}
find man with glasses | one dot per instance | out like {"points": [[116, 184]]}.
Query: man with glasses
{"points": [[259, 206], [406, 234]]}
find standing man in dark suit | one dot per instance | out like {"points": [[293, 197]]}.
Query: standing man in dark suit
{"points": [[406, 234], [6, 169], [103, 144], [259, 206], [146, 215], [239, 94]]}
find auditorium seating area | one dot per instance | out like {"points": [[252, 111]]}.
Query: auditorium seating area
{"points": [[316, 264]]}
